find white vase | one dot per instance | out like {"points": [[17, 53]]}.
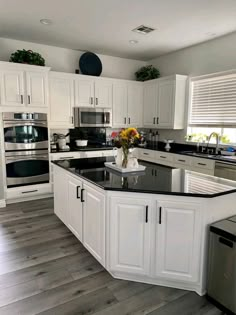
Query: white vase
{"points": [[118, 154]]}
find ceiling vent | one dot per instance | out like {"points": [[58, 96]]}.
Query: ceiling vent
{"points": [[142, 29]]}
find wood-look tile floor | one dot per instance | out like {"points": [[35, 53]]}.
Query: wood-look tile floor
{"points": [[44, 269]]}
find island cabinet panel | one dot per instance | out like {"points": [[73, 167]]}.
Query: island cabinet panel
{"points": [[94, 222], [178, 239], [130, 235], [75, 207], [60, 194]]}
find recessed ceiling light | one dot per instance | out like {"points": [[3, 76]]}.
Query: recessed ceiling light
{"points": [[133, 41], [46, 21]]}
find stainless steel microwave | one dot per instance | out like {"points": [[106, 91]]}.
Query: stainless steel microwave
{"points": [[92, 117]]}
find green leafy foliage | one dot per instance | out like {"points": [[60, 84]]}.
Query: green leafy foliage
{"points": [[147, 73], [27, 56]]}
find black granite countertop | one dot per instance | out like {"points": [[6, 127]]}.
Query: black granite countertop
{"points": [[156, 179]]}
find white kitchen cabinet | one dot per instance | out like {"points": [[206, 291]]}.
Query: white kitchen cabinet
{"points": [[61, 100], [127, 104], [60, 194], [75, 207], [90, 92], [135, 105], [120, 105], [94, 222], [24, 86], [129, 235], [150, 92], [37, 89], [164, 102], [178, 239], [12, 87]]}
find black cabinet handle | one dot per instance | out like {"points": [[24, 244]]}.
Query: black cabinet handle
{"points": [[82, 195], [203, 164], [77, 190], [129, 120], [152, 171], [154, 120], [163, 157], [155, 172], [157, 120], [160, 212], [29, 191], [146, 218], [181, 160]]}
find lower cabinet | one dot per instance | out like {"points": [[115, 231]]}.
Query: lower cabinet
{"points": [[60, 194], [75, 207], [129, 236], [94, 222], [82, 209], [177, 240]]}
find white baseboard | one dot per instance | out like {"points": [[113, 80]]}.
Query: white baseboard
{"points": [[2, 203]]}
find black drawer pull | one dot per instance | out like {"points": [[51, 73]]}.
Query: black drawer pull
{"points": [[163, 157], [146, 218], [30, 191], [160, 213], [144, 153], [77, 192], [203, 164], [226, 242], [181, 160], [82, 195]]}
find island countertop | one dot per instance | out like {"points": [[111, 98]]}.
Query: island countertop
{"points": [[156, 179]]}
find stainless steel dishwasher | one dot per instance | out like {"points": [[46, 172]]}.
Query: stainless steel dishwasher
{"points": [[225, 170]]}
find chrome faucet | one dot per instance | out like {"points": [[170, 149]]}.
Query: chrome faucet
{"points": [[217, 141]]}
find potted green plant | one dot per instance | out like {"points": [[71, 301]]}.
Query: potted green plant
{"points": [[147, 73], [27, 56]]}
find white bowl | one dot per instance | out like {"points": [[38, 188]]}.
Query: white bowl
{"points": [[81, 143]]}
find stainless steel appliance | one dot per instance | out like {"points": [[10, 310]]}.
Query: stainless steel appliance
{"points": [[225, 170], [25, 131], [26, 148], [92, 117], [27, 167], [221, 287]]}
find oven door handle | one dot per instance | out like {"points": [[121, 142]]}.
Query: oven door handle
{"points": [[19, 124], [26, 158]]}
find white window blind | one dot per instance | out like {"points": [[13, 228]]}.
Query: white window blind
{"points": [[213, 101]]}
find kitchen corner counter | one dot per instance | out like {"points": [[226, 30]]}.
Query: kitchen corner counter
{"points": [[156, 179]]}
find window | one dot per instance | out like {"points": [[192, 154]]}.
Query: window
{"points": [[213, 107]]}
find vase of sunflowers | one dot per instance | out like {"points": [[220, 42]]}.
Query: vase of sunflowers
{"points": [[124, 140]]}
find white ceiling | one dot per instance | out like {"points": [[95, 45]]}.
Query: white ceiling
{"points": [[105, 26]]}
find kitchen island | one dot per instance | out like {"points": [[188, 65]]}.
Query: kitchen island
{"points": [[150, 226]]}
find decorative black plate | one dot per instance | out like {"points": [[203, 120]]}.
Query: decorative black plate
{"points": [[90, 64]]}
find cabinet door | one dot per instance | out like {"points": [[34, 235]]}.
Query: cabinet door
{"points": [[12, 88], [135, 105], [178, 239], [94, 222], [75, 207], [37, 89], [120, 98], [60, 194], [84, 93], [103, 94], [129, 249], [150, 104], [61, 101], [165, 104]]}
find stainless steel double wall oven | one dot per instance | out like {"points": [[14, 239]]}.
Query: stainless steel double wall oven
{"points": [[26, 148]]}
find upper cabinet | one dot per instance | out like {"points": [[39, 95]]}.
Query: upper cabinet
{"points": [[91, 92], [127, 104], [61, 97], [164, 102], [23, 86]]}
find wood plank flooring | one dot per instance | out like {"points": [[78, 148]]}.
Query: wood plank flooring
{"points": [[44, 269]]}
